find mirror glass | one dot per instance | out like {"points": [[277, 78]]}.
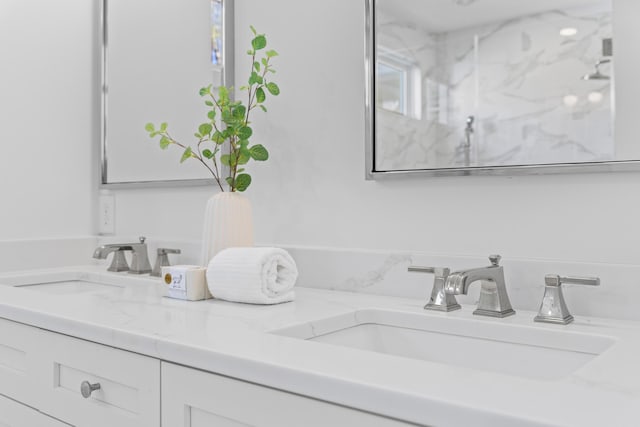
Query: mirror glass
{"points": [[466, 85], [157, 55]]}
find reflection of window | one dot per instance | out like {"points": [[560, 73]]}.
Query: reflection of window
{"points": [[398, 86], [216, 32], [392, 87]]}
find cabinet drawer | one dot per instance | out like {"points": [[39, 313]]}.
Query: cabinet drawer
{"points": [[20, 346], [192, 398], [129, 393], [13, 414]]}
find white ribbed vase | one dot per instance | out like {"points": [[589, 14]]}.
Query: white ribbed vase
{"points": [[227, 223]]}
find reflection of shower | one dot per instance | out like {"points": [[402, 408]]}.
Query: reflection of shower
{"points": [[468, 130], [597, 74]]}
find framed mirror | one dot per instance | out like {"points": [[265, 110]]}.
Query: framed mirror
{"points": [[467, 87], [157, 54]]}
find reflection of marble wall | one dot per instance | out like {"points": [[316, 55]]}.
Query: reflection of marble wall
{"points": [[522, 81]]}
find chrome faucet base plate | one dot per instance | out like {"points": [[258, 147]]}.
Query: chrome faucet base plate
{"points": [[555, 320], [492, 313], [440, 307]]}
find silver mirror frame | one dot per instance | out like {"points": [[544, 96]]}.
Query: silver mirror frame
{"points": [[227, 79], [370, 134]]}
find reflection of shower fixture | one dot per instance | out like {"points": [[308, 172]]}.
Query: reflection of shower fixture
{"points": [[597, 74], [468, 130], [466, 146]]}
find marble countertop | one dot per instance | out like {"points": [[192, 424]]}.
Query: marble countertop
{"points": [[235, 340]]}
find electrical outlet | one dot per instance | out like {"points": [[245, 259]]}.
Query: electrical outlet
{"points": [[106, 213]]}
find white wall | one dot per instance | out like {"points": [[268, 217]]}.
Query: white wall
{"points": [[47, 109], [312, 192]]}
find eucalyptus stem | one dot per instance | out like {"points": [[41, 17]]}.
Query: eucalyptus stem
{"points": [[228, 121]]}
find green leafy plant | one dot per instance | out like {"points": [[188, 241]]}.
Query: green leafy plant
{"points": [[224, 139]]}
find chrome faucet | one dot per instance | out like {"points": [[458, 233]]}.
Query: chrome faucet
{"points": [[494, 300], [139, 257], [439, 300], [162, 260], [119, 262], [553, 308]]}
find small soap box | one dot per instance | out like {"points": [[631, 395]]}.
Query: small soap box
{"points": [[185, 282]]}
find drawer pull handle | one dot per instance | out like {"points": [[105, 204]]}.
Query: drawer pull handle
{"points": [[86, 388]]}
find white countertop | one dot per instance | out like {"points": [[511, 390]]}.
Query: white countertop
{"points": [[232, 339]]}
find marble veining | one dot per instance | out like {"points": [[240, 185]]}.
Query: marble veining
{"points": [[520, 80]]}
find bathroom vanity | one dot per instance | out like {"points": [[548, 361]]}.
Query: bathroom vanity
{"points": [[329, 358]]}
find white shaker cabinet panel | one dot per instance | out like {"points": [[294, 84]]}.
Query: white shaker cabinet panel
{"points": [[20, 351], [14, 414], [193, 398], [129, 384]]}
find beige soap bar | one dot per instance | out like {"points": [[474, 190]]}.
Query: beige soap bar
{"points": [[186, 282]]}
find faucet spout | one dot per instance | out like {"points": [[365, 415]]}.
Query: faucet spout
{"points": [[494, 300]]}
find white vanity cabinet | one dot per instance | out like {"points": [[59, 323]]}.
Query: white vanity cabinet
{"points": [[45, 370], [193, 398], [14, 414]]}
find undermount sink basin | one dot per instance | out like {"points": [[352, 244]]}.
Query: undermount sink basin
{"points": [[71, 282], [530, 352]]}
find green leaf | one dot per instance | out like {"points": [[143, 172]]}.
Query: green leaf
{"points": [[205, 129], [271, 53], [265, 62], [229, 181], [253, 30], [207, 153], [212, 114], [149, 127], [243, 143], [164, 142], [263, 108], [209, 103], [163, 127], [243, 156], [273, 89], [255, 78], [259, 153], [239, 112], [225, 160], [259, 42], [243, 181], [250, 52], [240, 170], [245, 132], [223, 94], [187, 153], [205, 91], [260, 95], [256, 65]]}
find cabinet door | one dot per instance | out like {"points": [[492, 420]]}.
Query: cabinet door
{"points": [[13, 414], [193, 398], [20, 349], [129, 393]]}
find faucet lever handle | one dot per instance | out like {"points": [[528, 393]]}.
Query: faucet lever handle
{"points": [[164, 251], [555, 280], [437, 271], [439, 300], [495, 259], [553, 308]]}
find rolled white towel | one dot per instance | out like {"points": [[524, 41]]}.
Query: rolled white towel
{"points": [[252, 275]]}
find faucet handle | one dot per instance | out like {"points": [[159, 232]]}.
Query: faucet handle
{"points": [[142, 239], [495, 260], [162, 260], [439, 300], [555, 280], [553, 308], [437, 271]]}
